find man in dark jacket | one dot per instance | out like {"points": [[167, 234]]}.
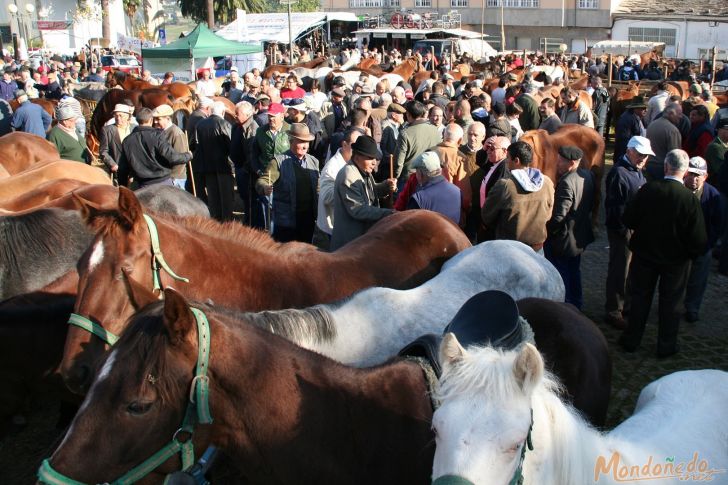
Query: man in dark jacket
{"points": [[292, 178], [8, 86], [204, 108], [710, 203], [622, 183], [112, 136], [529, 117], [146, 155], [570, 229], [629, 125], [600, 104], [212, 160], [242, 138], [668, 232]]}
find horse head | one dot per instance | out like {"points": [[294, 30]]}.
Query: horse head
{"points": [[121, 247], [484, 421], [110, 79], [137, 400]]}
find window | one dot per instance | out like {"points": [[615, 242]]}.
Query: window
{"points": [[514, 3], [393, 3], [707, 54], [458, 3], [654, 34], [423, 3], [588, 4], [365, 3]]}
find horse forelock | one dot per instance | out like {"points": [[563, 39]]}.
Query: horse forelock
{"points": [[314, 325], [485, 371], [146, 344]]}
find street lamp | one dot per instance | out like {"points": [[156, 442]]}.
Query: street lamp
{"points": [[290, 29]]}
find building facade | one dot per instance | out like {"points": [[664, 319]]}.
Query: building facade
{"points": [[528, 24], [689, 29]]}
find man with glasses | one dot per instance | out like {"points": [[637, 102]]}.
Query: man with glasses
{"points": [[482, 180], [622, 184]]}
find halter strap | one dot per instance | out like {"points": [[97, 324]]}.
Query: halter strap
{"points": [[518, 475], [93, 327], [158, 261], [198, 411]]}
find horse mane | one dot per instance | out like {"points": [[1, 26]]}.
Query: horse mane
{"points": [[229, 231], [486, 371], [38, 236], [313, 324]]}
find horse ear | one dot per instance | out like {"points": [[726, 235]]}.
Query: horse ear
{"points": [[528, 368], [178, 318], [130, 210], [89, 210], [450, 350], [140, 295]]}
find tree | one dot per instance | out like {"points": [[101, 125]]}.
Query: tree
{"points": [[105, 20], [224, 9], [130, 8], [299, 6]]}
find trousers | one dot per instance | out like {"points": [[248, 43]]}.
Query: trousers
{"points": [[220, 187], [617, 294], [645, 276]]}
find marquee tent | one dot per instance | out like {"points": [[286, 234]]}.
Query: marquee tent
{"points": [[273, 27], [184, 56]]}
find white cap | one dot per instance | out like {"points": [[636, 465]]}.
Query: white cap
{"points": [[641, 144], [206, 102], [698, 165], [430, 161]]}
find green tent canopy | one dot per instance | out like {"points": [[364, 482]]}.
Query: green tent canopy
{"points": [[200, 43]]}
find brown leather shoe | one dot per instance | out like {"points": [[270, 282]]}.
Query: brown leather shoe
{"points": [[616, 321]]}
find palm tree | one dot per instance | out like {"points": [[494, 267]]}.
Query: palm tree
{"points": [[224, 10], [105, 20], [130, 8]]}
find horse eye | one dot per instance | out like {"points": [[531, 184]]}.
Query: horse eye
{"points": [[137, 408]]}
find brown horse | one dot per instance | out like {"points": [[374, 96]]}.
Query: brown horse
{"points": [[546, 151], [15, 186], [284, 68], [42, 195], [144, 98], [242, 268], [281, 413], [19, 150], [48, 105], [132, 83], [620, 98]]}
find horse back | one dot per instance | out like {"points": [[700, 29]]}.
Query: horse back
{"points": [[575, 350]]}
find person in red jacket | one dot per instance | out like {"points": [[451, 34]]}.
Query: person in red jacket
{"points": [[701, 132]]}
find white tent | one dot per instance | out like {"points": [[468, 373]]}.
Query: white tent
{"points": [[273, 27]]}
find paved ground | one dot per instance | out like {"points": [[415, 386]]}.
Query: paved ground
{"points": [[703, 344]]}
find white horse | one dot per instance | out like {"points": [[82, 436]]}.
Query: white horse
{"points": [[490, 399], [376, 323]]}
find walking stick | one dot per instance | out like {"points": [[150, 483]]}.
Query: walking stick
{"points": [[391, 166], [268, 222], [192, 178]]}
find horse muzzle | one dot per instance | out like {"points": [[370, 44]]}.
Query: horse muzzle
{"points": [[451, 480]]}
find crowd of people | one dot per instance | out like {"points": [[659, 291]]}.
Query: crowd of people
{"points": [[322, 167]]}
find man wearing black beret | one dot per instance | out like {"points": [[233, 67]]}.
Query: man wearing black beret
{"points": [[570, 230]]}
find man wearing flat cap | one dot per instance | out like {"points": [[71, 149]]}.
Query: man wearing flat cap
{"points": [[30, 117], [569, 229], [356, 196], [434, 192], [113, 135], [70, 145], [334, 112], [391, 128], [162, 116], [299, 112], [292, 178]]}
